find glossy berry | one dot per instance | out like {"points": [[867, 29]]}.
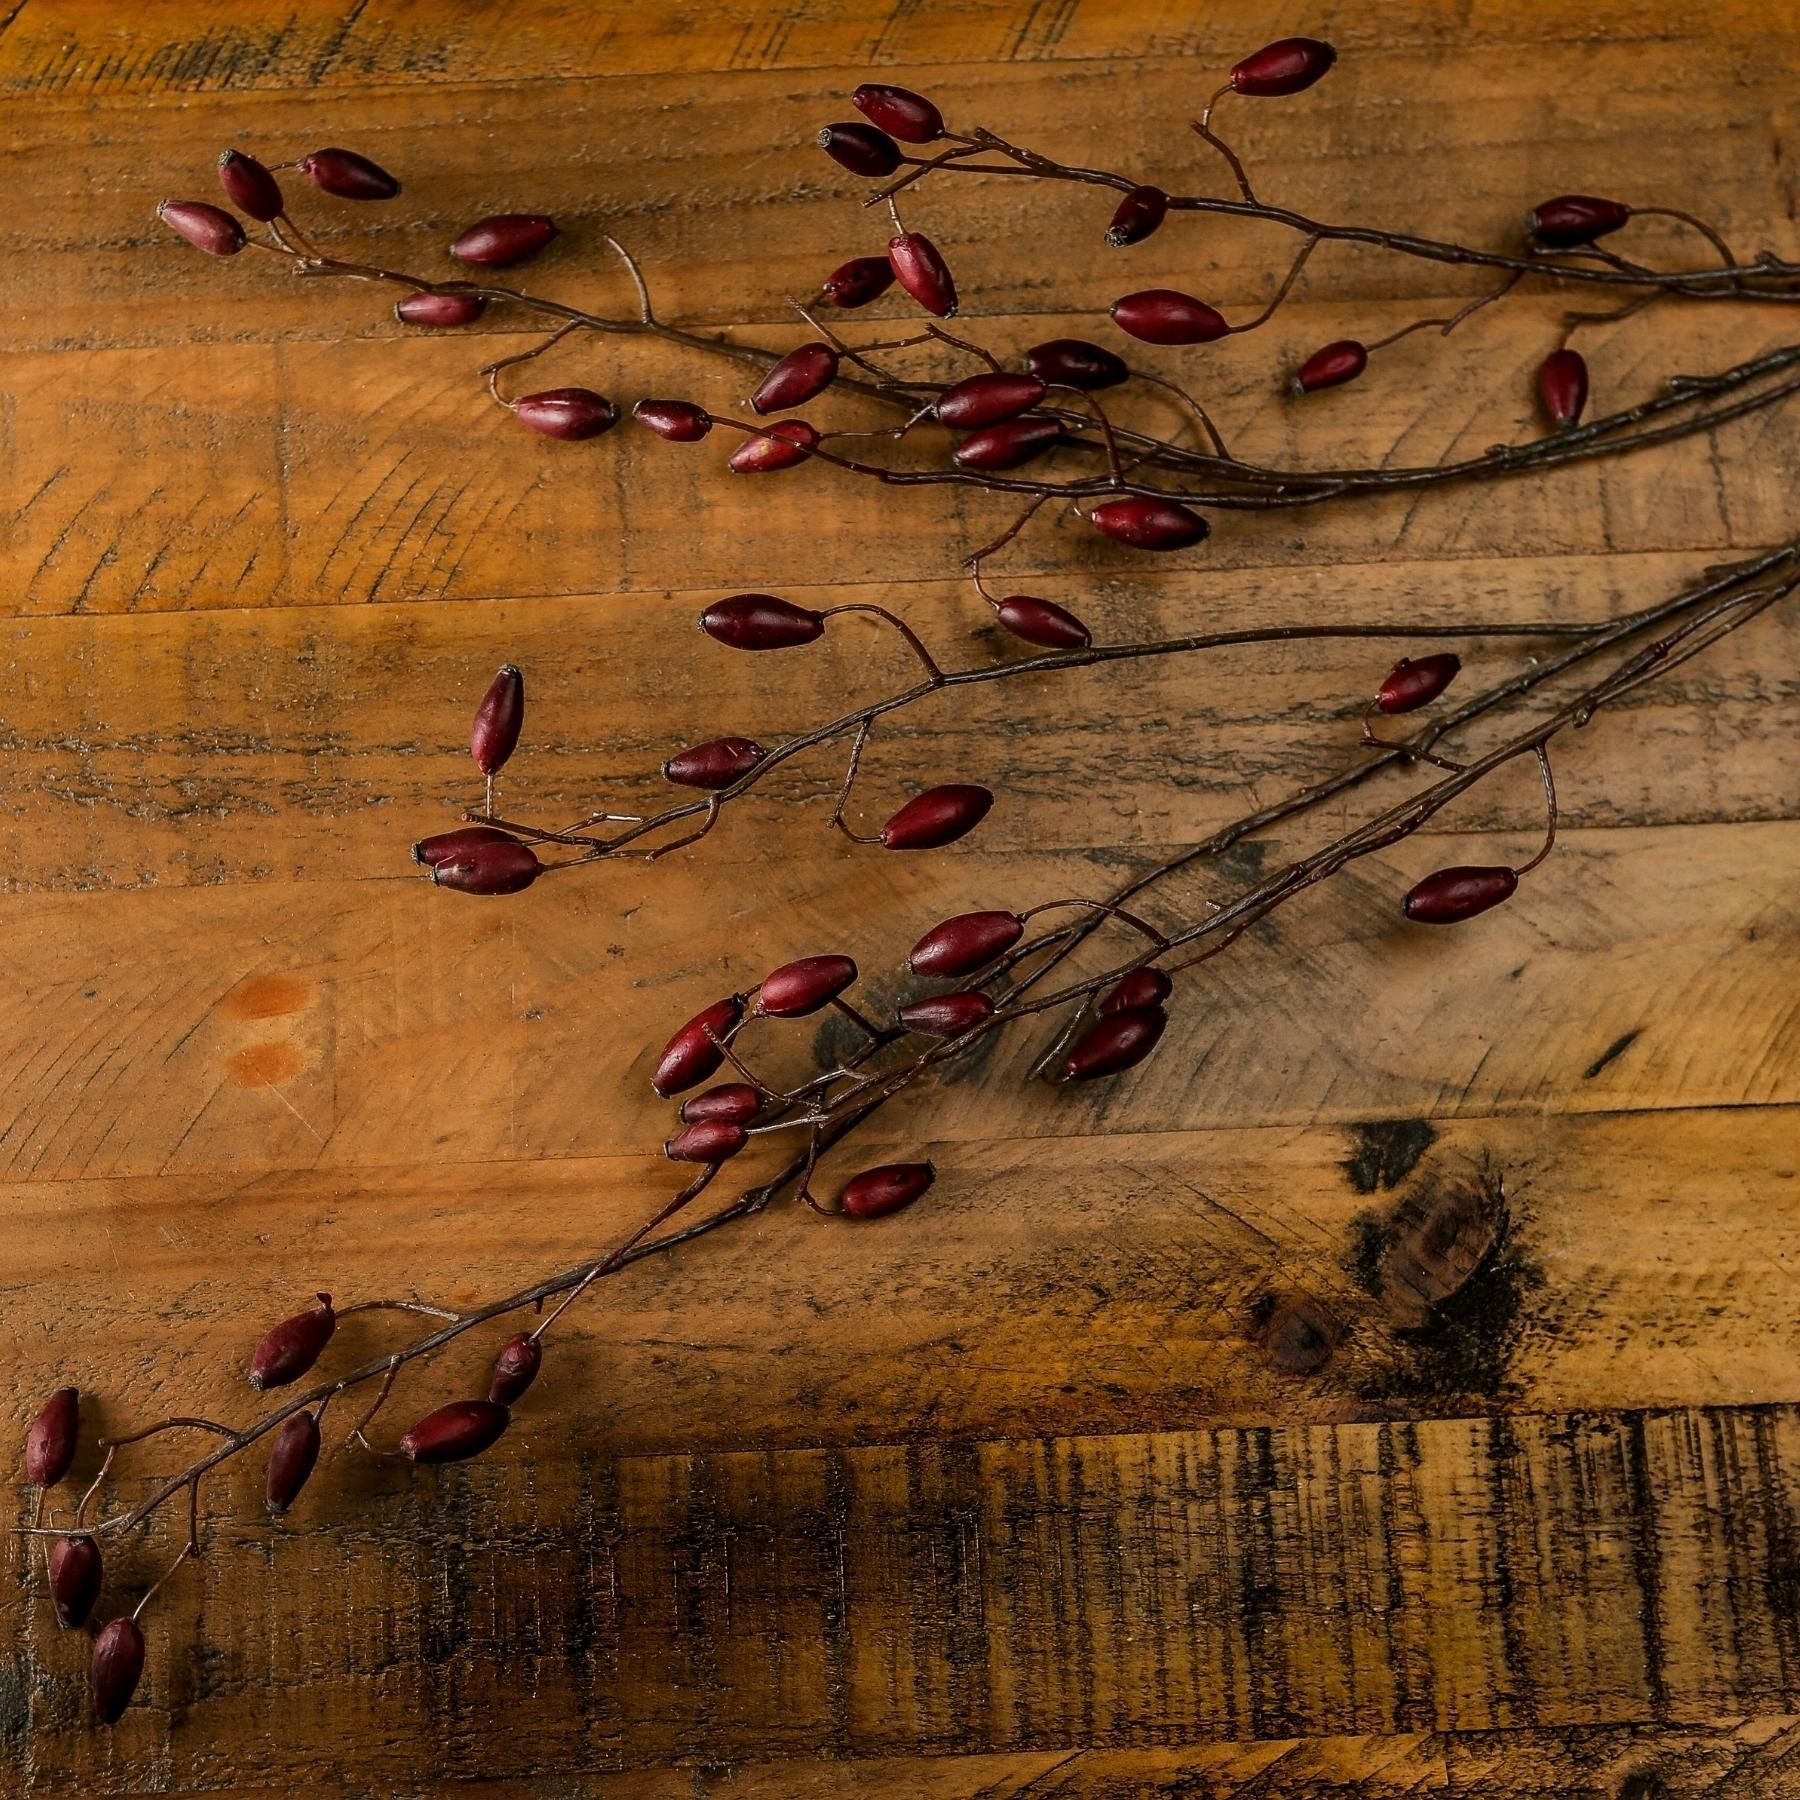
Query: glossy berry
{"points": [[515, 1369], [76, 1574], [116, 1668], [713, 765], [570, 413], [1287, 66], [796, 379], [347, 176], [709, 1141], [780, 447], [1117, 1042], [205, 226], [1332, 366], [1142, 987], [489, 869], [505, 240], [1411, 684], [946, 1015], [1452, 895], [857, 282], [291, 1461], [936, 817], [1139, 214], [289, 1349], [1166, 316], [498, 720], [923, 273], [249, 186], [456, 1432], [899, 112], [862, 149], [761, 622], [735, 1102], [1007, 446], [988, 400], [51, 1440], [961, 945], [1042, 622], [680, 421], [440, 309], [1571, 220], [1147, 524], [448, 845], [1074, 362], [690, 1056], [799, 988], [877, 1192], [1562, 385]]}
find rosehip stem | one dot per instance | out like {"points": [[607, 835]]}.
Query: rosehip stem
{"points": [[1282, 292], [1444, 327], [411, 1306], [1111, 909], [190, 1549], [1550, 815], [490, 370]]}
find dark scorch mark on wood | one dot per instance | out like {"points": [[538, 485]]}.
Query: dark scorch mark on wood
{"points": [[1387, 1151], [1611, 1053]]}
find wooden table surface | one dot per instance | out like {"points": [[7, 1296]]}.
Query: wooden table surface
{"points": [[1004, 1497]]}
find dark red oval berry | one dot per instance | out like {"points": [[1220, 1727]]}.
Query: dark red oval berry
{"points": [[899, 112], [1571, 220], [504, 240], [680, 421], [857, 282], [799, 988], [1562, 384], [116, 1668], [876, 1192], [936, 817], [1332, 366], [1073, 362], [968, 942], [1287, 66], [1165, 316], [498, 720], [571, 413], [1007, 446], [205, 226], [1410, 685], [1452, 895], [709, 1141], [1119, 1041], [51, 1440], [735, 1102], [515, 1369], [690, 1056], [347, 176], [289, 1349], [988, 400], [1042, 622], [1147, 524], [440, 309], [249, 186], [780, 447], [1139, 214], [1141, 988], [456, 1432], [946, 1015], [923, 273], [862, 149], [761, 622], [448, 845], [489, 869], [800, 376], [76, 1572], [291, 1461], [713, 765]]}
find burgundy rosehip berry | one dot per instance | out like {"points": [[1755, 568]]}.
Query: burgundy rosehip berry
{"points": [[289, 1349], [205, 226], [735, 1102], [1571, 220], [1117, 1042], [1073, 362], [800, 376], [291, 1461], [440, 309], [1147, 524], [456, 1432], [923, 273], [937, 817], [1411, 684], [877, 1192], [714, 765], [761, 622], [1167, 316], [570, 413], [76, 1574], [1042, 622], [970, 941], [709, 1141], [899, 112], [1452, 895], [1141, 988], [499, 719], [946, 1015], [1007, 446], [799, 988], [1562, 384], [448, 845], [680, 421], [116, 1668], [988, 400], [515, 1369], [1332, 366], [862, 149], [690, 1056], [1287, 66], [1139, 214], [249, 186], [857, 282], [489, 869], [347, 176], [51, 1440], [780, 447], [505, 240]]}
